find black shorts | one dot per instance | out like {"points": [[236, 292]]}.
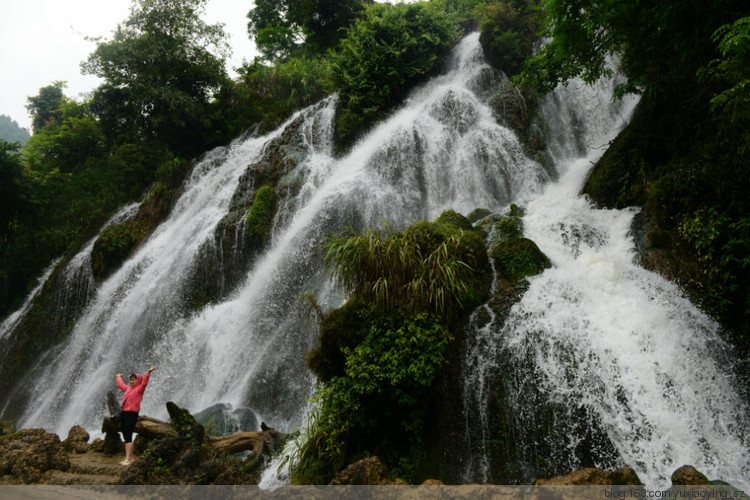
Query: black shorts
{"points": [[127, 425]]}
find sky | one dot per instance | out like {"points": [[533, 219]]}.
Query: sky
{"points": [[44, 40]]}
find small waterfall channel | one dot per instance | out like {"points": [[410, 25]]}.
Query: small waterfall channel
{"points": [[595, 332]]}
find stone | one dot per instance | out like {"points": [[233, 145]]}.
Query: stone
{"points": [[687, 475], [27, 454], [97, 445], [368, 471], [112, 444], [77, 440], [593, 477]]}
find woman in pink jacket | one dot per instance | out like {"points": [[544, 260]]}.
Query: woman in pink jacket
{"points": [[131, 405]]}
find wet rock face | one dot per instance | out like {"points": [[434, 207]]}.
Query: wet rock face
{"points": [[27, 454], [687, 475], [77, 440]]}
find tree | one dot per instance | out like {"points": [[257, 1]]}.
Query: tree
{"points": [[282, 28], [45, 107], [13, 192], [161, 70], [65, 144]]}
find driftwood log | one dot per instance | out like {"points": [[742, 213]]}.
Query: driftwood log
{"points": [[257, 442]]}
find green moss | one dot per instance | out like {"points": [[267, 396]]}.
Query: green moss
{"points": [[428, 235], [260, 215], [510, 227], [454, 220], [477, 214], [518, 258], [113, 246]]}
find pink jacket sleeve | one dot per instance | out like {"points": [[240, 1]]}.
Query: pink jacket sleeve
{"points": [[121, 384], [144, 383]]}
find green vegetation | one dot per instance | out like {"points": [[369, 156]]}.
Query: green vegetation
{"points": [[380, 354], [508, 31], [268, 95], [260, 215], [385, 55], [15, 208]]}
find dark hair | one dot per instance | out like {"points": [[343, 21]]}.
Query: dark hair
{"points": [[133, 375]]}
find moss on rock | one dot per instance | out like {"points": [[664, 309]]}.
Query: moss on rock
{"points": [[260, 215], [518, 258]]}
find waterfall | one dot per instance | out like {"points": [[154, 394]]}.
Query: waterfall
{"points": [[601, 363], [443, 149], [594, 333], [621, 348]]}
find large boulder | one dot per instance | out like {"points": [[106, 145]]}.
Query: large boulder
{"points": [[77, 440], [27, 454]]}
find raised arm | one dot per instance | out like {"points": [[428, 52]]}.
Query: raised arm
{"points": [[120, 383], [146, 376]]}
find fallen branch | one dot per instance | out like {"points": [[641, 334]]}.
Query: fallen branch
{"points": [[260, 442]]}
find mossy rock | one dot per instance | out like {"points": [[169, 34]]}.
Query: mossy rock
{"points": [[260, 215], [455, 220], [429, 235], [114, 246], [478, 214], [518, 258], [341, 329], [501, 227]]}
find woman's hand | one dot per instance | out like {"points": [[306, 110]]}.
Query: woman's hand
{"points": [[118, 375], [152, 369]]}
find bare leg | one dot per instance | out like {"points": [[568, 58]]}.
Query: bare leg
{"points": [[128, 454]]}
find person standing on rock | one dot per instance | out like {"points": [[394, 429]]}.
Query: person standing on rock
{"points": [[131, 405]]}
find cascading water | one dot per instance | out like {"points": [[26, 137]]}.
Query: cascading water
{"points": [[623, 347], [601, 363], [444, 149]]}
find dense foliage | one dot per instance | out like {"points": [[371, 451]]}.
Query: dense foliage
{"points": [[383, 56], [380, 355], [508, 32], [265, 96]]}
